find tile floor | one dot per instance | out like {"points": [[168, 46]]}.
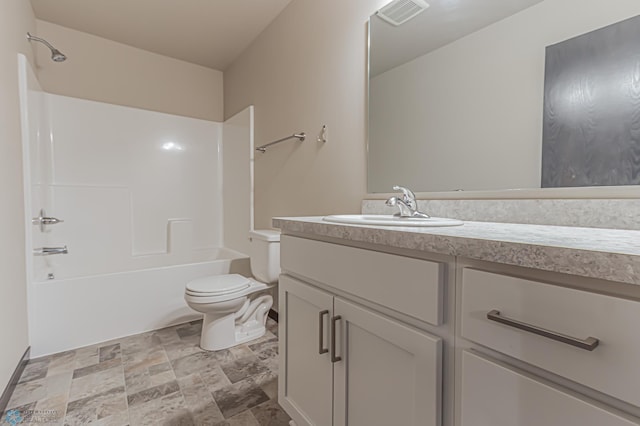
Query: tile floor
{"points": [[157, 378]]}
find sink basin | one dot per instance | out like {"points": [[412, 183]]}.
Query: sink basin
{"points": [[389, 220]]}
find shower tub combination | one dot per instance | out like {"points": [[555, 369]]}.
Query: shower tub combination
{"points": [[145, 210], [75, 312]]}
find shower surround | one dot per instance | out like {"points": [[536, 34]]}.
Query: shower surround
{"points": [[142, 198]]}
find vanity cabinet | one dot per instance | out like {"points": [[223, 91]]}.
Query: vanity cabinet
{"points": [[533, 352], [344, 363], [462, 327]]}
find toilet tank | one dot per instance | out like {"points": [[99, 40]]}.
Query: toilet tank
{"points": [[265, 255]]}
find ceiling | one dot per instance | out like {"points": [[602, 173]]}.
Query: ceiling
{"points": [[212, 33], [445, 21]]}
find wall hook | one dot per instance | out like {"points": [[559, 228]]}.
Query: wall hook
{"points": [[322, 137]]}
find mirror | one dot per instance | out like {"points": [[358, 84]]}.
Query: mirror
{"points": [[456, 94]]}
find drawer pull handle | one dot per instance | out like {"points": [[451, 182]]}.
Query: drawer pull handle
{"points": [[334, 320], [321, 348], [589, 344]]}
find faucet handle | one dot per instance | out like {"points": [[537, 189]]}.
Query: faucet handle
{"points": [[407, 204], [408, 196]]}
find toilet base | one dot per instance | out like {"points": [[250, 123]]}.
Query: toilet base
{"points": [[222, 332]]}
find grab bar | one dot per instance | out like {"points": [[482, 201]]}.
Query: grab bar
{"points": [[48, 251], [300, 136]]}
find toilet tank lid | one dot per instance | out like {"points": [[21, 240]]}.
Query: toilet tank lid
{"points": [[265, 234]]}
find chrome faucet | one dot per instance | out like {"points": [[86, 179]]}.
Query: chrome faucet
{"points": [[406, 203]]}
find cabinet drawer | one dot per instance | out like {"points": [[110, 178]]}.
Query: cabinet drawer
{"points": [[494, 395], [611, 368], [407, 285]]}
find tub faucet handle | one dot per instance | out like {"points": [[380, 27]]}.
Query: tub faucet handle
{"points": [[47, 251], [43, 220]]}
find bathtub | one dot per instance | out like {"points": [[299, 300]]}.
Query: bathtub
{"points": [[75, 312]]}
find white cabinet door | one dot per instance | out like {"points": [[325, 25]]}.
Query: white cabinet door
{"points": [[496, 395], [306, 375], [388, 374]]}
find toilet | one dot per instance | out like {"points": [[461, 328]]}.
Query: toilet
{"points": [[233, 311]]}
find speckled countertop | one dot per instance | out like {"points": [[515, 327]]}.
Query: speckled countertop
{"points": [[610, 254]]}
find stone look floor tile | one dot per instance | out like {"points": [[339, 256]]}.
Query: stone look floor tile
{"points": [[177, 350], [28, 392], [194, 363], [87, 356], [224, 355], [268, 382], [245, 418], [168, 335], [97, 406], [107, 353], [62, 363], [167, 410], [241, 351], [35, 390], [160, 368], [243, 368], [265, 349], [35, 369], [189, 330], [144, 354], [54, 406], [270, 414], [199, 401], [215, 379], [161, 377], [95, 368], [267, 336], [239, 397], [96, 383], [139, 342], [23, 412], [153, 393], [120, 419], [137, 381], [272, 326]]}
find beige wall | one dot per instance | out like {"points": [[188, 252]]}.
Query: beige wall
{"points": [[102, 70], [16, 18], [308, 68]]}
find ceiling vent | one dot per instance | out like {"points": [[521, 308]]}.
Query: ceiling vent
{"points": [[400, 11]]}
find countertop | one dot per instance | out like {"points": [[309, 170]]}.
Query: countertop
{"points": [[610, 254]]}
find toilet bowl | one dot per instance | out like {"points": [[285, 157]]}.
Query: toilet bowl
{"points": [[234, 310]]}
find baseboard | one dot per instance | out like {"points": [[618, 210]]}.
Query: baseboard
{"points": [[11, 386], [273, 315]]}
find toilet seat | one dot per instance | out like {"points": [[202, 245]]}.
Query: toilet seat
{"points": [[221, 288], [218, 285]]}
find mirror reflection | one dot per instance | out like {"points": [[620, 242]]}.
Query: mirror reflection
{"points": [[457, 93]]}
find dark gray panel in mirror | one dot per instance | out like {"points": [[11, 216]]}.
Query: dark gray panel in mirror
{"points": [[591, 133]]}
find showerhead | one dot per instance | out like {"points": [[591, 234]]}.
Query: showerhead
{"points": [[56, 55]]}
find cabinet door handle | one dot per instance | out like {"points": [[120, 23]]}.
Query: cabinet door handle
{"points": [[334, 320], [589, 344], [321, 348]]}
